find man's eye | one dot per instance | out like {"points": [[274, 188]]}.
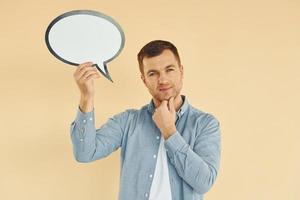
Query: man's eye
{"points": [[168, 70]]}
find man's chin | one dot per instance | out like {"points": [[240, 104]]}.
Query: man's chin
{"points": [[165, 97]]}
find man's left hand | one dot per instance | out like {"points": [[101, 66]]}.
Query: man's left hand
{"points": [[164, 118]]}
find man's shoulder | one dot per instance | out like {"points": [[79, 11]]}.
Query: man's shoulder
{"points": [[201, 115], [130, 112]]}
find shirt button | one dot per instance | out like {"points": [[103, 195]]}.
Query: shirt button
{"points": [[150, 175], [146, 194], [157, 137], [81, 140], [91, 118], [154, 156], [84, 121]]}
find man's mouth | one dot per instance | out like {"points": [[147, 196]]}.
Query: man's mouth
{"points": [[164, 89]]}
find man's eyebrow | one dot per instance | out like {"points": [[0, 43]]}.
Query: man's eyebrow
{"points": [[169, 66], [153, 70]]}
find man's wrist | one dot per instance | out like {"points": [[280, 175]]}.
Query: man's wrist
{"points": [[86, 104], [169, 132]]}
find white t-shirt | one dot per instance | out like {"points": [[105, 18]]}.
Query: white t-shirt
{"points": [[160, 188]]}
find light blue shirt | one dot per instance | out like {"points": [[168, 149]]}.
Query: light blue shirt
{"points": [[193, 151]]}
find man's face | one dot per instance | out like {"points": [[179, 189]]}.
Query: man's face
{"points": [[163, 76]]}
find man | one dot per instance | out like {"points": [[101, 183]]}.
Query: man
{"points": [[169, 149]]}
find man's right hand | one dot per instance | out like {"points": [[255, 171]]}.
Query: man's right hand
{"points": [[84, 76]]}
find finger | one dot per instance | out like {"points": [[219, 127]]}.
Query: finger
{"points": [[171, 104], [84, 71], [80, 68], [87, 74], [93, 76], [84, 65]]}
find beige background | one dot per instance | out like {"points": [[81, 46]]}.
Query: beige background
{"points": [[241, 62]]}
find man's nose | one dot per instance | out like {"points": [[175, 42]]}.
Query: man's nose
{"points": [[162, 79]]}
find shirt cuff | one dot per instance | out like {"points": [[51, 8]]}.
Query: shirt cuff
{"points": [[85, 117], [174, 143]]}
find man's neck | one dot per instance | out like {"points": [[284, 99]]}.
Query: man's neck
{"points": [[177, 102]]}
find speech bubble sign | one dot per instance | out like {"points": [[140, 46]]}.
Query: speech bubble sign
{"points": [[84, 35]]}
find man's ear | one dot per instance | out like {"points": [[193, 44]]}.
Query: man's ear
{"points": [[181, 70], [143, 79]]}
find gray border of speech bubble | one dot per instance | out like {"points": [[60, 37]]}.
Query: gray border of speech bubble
{"points": [[87, 12]]}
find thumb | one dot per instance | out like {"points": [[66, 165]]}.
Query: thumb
{"points": [[171, 105]]}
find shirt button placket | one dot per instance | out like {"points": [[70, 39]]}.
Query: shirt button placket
{"points": [[81, 134], [81, 138]]}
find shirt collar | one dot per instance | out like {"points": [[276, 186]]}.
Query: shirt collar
{"points": [[181, 110]]}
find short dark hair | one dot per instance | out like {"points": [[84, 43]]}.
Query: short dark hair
{"points": [[155, 48]]}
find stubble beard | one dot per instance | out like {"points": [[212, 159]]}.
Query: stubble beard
{"points": [[166, 96]]}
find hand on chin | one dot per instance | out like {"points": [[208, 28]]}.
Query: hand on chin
{"points": [[165, 97]]}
